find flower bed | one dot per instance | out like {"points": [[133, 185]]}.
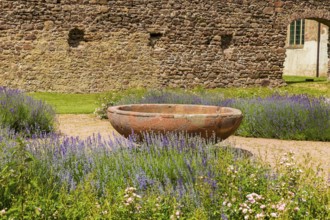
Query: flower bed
{"points": [[165, 177]]}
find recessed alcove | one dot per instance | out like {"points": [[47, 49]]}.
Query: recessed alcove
{"points": [[153, 38], [226, 41], [75, 37]]}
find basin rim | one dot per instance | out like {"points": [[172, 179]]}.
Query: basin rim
{"points": [[117, 110]]}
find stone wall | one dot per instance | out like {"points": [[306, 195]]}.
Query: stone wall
{"points": [[99, 45]]}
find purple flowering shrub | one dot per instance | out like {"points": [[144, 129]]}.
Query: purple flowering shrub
{"points": [[23, 114], [164, 177], [297, 117], [177, 97]]}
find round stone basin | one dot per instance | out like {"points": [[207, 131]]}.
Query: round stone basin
{"points": [[202, 120]]}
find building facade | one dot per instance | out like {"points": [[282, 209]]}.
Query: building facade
{"points": [[99, 45], [307, 49]]}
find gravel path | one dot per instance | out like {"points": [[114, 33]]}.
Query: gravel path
{"points": [[269, 150]]}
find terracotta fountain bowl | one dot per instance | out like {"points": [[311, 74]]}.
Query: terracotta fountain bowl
{"points": [[202, 120]]}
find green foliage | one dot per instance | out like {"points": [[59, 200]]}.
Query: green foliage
{"points": [[24, 114], [113, 97], [16, 179], [164, 177]]}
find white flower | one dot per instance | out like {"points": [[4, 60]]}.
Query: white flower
{"points": [[253, 196], [262, 206], [246, 217], [2, 212], [229, 204], [130, 189], [260, 215], [177, 213], [136, 195], [130, 200], [288, 164], [291, 193], [281, 207], [244, 211], [273, 214], [327, 100]]}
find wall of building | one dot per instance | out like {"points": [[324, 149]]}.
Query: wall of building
{"points": [[99, 45], [303, 61]]}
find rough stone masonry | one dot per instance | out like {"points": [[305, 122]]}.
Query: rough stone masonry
{"points": [[99, 45]]}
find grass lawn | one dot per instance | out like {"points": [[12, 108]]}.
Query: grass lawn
{"points": [[303, 79], [86, 103], [69, 103]]}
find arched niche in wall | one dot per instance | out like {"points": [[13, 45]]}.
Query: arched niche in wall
{"points": [[75, 37]]}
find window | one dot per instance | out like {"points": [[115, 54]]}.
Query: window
{"points": [[297, 33]]}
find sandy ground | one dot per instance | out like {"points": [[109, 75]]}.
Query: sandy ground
{"points": [[269, 150]]}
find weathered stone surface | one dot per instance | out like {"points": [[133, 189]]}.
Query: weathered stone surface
{"points": [[146, 43]]}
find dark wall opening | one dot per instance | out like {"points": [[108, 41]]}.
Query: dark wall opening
{"points": [[75, 37], [153, 38], [226, 41]]}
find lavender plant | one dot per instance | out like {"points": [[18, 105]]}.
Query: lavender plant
{"points": [[23, 114], [285, 117], [164, 177], [201, 97]]}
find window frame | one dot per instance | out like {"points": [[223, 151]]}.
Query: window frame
{"points": [[296, 35]]}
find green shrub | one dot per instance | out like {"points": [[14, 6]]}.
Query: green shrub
{"points": [[112, 98], [23, 114]]}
